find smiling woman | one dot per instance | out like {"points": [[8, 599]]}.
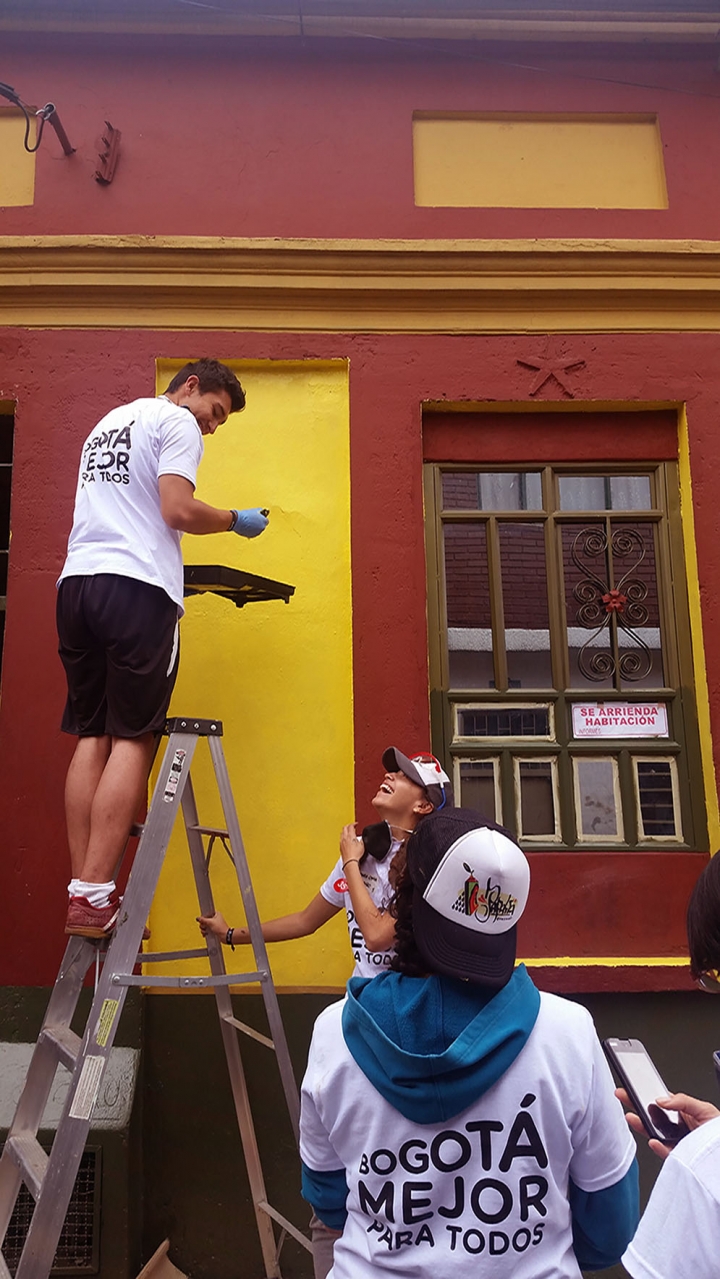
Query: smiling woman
{"points": [[362, 881]]}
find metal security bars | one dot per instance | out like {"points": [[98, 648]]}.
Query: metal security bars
{"points": [[560, 655]]}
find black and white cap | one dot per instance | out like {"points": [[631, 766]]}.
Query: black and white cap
{"points": [[471, 884]]}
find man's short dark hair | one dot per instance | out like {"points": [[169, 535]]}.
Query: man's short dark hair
{"points": [[703, 920], [211, 376]]}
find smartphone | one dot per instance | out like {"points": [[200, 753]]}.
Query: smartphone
{"points": [[638, 1075]]}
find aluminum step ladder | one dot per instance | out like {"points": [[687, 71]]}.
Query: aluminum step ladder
{"points": [[51, 1178]]}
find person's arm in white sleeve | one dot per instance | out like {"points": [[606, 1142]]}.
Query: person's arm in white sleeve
{"points": [[324, 1182], [603, 1190]]}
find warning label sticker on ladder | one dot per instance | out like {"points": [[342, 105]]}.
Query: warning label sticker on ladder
{"points": [[108, 1013], [173, 780], [83, 1102]]}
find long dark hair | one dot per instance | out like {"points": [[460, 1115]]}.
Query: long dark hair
{"points": [[703, 920], [407, 958]]}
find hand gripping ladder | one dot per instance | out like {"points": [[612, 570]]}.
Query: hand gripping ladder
{"points": [[50, 1178]]}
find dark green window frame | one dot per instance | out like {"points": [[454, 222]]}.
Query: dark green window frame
{"points": [[678, 764], [7, 427]]}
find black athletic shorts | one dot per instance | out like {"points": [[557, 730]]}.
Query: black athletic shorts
{"points": [[119, 646]]}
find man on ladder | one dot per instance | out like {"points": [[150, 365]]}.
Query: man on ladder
{"points": [[119, 599], [120, 595]]}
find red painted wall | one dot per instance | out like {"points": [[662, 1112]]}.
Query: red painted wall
{"points": [[63, 381], [276, 138]]}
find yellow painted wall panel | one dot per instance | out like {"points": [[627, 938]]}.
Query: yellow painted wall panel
{"points": [[17, 166], [530, 161], [278, 675]]}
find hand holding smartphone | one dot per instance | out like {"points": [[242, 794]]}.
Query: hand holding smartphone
{"points": [[639, 1077]]}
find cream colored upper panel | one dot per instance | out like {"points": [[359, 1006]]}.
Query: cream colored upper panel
{"points": [[520, 161], [17, 166]]}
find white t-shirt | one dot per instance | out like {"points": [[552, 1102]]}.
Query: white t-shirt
{"points": [[117, 525], [368, 963], [482, 1193], [679, 1232]]}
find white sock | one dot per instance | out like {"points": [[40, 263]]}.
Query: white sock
{"points": [[97, 894]]}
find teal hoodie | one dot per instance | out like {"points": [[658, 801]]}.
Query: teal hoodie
{"points": [[431, 1046]]}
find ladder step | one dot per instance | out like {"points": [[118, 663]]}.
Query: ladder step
{"points": [[186, 983], [30, 1158], [65, 1042], [164, 956], [218, 831], [264, 1206], [248, 1030]]}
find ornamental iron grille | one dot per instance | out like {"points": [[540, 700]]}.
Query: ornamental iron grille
{"points": [[611, 598]]}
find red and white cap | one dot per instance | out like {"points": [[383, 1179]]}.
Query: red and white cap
{"points": [[423, 769]]}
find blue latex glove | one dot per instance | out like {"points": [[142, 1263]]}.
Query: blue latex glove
{"points": [[250, 523]]}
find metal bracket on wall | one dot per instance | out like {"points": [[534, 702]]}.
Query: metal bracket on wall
{"points": [[46, 114], [109, 156]]}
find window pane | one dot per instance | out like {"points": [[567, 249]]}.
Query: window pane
{"points": [[477, 787], [5, 477], [635, 573], [7, 423], [611, 598], [630, 493], [525, 604], [604, 492], [503, 721], [582, 493], [508, 491], [537, 798], [597, 798], [492, 491], [460, 491], [467, 599], [656, 798]]}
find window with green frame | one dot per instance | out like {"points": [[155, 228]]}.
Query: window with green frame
{"points": [[561, 665], [7, 424]]}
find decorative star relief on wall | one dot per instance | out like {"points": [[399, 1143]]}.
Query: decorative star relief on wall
{"points": [[548, 369], [608, 607]]}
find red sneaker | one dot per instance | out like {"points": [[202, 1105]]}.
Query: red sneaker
{"points": [[84, 920]]}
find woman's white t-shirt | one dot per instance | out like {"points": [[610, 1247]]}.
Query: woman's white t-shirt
{"points": [[484, 1193], [375, 876]]}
